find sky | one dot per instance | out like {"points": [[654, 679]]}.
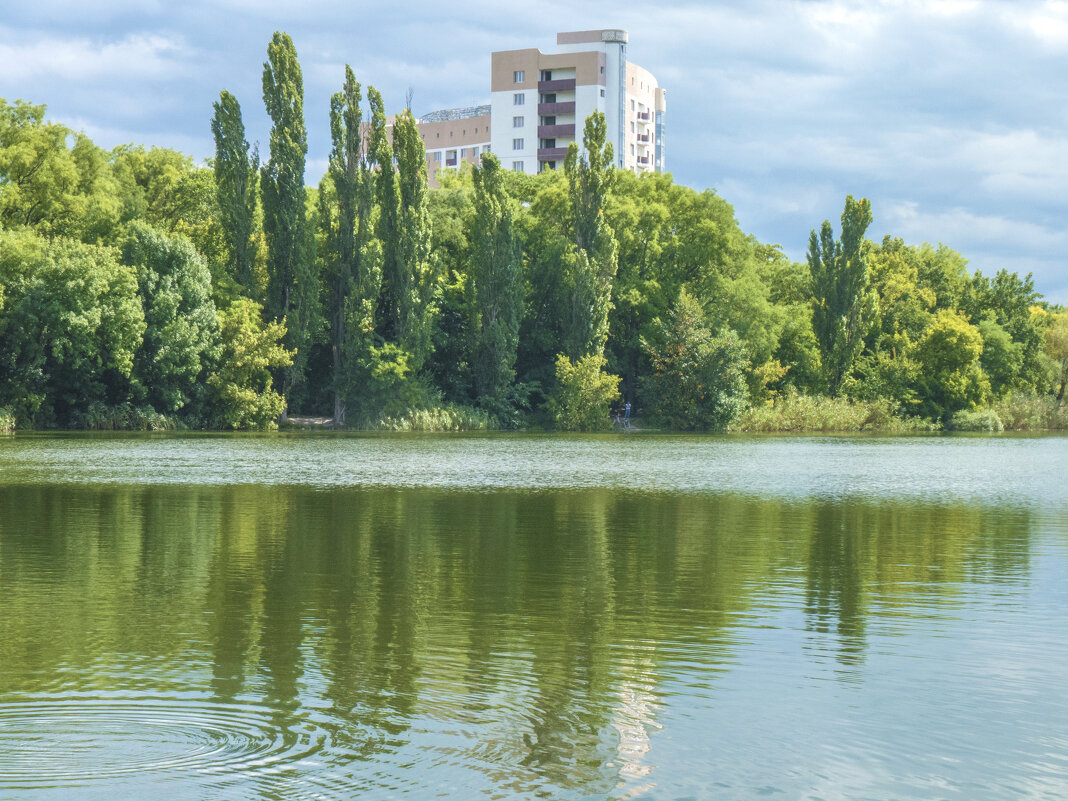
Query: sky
{"points": [[951, 117]]}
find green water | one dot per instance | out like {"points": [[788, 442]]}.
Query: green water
{"points": [[293, 617]]}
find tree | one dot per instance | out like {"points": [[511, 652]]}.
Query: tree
{"points": [[236, 171], [411, 280], [584, 393], [181, 328], [292, 288], [698, 380], [351, 182], [843, 303], [496, 287], [46, 185], [951, 378], [1056, 346], [591, 266], [242, 392], [71, 327]]}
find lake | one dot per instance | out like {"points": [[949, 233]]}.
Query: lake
{"points": [[298, 616]]}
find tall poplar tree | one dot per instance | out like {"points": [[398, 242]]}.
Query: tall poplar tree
{"points": [[412, 279], [496, 287], [592, 266], [380, 152], [843, 302], [351, 180], [235, 182], [291, 285]]}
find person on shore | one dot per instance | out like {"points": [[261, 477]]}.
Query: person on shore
{"points": [[626, 415]]}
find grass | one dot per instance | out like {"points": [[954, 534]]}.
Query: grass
{"points": [[440, 418]]}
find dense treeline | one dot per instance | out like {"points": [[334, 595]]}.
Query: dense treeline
{"points": [[138, 289]]}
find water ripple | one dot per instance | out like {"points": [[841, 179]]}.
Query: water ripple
{"points": [[52, 742]]}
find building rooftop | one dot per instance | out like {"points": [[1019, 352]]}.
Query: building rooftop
{"points": [[456, 114]]}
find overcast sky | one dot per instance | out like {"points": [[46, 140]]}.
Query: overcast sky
{"points": [[952, 117]]}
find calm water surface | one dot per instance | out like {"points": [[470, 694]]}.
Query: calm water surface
{"points": [[499, 617]]}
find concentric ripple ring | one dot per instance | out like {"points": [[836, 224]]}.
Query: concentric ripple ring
{"points": [[71, 741]]}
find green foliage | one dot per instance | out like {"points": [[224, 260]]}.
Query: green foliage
{"points": [[951, 378], [72, 323], [282, 184], [440, 418], [241, 387], [844, 304], [496, 287], [1021, 411], [345, 217], [181, 329], [976, 420], [796, 412], [589, 268], [1056, 349], [7, 420], [698, 379], [55, 188], [411, 279], [236, 179], [584, 394]]}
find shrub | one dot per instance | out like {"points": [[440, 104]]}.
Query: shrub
{"points": [[977, 420], [441, 418], [1021, 411], [583, 395], [7, 421], [796, 412]]}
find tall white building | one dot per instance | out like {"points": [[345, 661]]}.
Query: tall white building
{"points": [[540, 102]]}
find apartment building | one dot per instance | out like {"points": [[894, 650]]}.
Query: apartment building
{"points": [[539, 105], [540, 102]]}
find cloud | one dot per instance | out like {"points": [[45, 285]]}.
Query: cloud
{"points": [[956, 107]]}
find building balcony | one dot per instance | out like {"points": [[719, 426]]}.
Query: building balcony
{"points": [[645, 138], [643, 160], [552, 109], [553, 131], [450, 162], [552, 153], [559, 85], [644, 116]]}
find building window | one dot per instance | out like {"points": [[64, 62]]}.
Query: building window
{"points": [[602, 93], [519, 76], [437, 155], [602, 70], [632, 150], [632, 104], [517, 144], [517, 122], [546, 75], [485, 148], [519, 99], [517, 166], [632, 126]]}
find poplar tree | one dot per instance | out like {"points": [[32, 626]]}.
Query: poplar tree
{"points": [[496, 286], [351, 183], [235, 185], [291, 286], [381, 153], [843, 302], [412, 278], [592, 265]]}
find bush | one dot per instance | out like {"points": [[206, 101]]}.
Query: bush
{"points": [[584, 394], [1025, 412], [977, 420], [796, 412], [442, 418], [7, 421], [123, 417]]}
